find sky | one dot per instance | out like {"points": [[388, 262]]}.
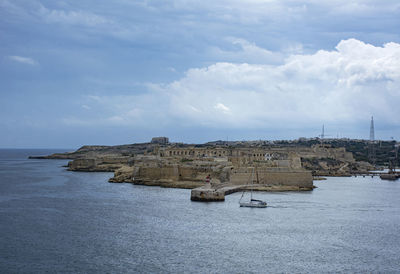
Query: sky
{"points": [[83, 72]]}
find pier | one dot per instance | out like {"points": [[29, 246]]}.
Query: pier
{"points": [[375, 173], [217, 193], [209, 193]]}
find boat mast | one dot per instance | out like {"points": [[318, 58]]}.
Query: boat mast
{"points": [[252, 182], [257, 175]]}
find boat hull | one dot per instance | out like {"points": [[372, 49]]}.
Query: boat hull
{"points": [[250, 204]]}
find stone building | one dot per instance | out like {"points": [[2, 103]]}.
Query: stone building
{"points": [[160, 140]]}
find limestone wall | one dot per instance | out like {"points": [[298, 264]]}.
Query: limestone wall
{"points": [[236, 176], [273, 157], [272, 176], [178, 173]]}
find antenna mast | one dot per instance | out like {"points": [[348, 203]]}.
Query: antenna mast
{"points": [[372, 130], [322, 134], [371, 145]]}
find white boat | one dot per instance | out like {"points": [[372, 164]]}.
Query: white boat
{"points": [[252, 202]]}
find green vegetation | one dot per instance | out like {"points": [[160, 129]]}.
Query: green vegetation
{"points": [[384, 150], [184, 160]]}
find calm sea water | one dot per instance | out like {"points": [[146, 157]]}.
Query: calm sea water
{"points": [[52, 220]]}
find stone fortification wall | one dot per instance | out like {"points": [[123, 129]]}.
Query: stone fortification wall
{"points": [[173, 173], [186, 171], [156, 173], [237, 156], [193, 152], [274, 157], [272, 176], [241, 176], [227, 166]]}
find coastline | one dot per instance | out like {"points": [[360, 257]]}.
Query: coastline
{"points": [[269, 168]]}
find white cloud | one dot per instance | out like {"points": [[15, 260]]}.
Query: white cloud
{"points": [[222, 107], [72, 17], [23, 60], [344, 85], [246, 52], [94, 98]]}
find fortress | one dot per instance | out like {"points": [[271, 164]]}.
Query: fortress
{"points": [[230, 165]]}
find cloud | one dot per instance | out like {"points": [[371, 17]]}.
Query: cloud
{"points": [[342, 86], [72, 17], [94, 98], [245, 51], [191, 27], [143, 110], [23, 60], [221, 107]]}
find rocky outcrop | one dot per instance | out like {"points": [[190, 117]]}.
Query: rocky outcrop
{"points": [[104, 151], [335, 167], [124, 174], [100, 164]]}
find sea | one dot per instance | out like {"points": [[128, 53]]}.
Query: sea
{"points": [[56, 221]]}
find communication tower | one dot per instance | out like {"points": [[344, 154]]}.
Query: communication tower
{"points": [[323, 135], [323, 132], [371, 144], [372, 130]]}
